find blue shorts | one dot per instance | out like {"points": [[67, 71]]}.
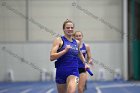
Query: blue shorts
{"points": [[63, 73]]}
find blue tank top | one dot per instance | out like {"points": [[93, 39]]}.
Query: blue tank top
{"points": [[70, 58], [84, 52]]}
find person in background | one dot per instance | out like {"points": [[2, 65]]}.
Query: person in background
{"points": [[65, 50], [85, 50]]}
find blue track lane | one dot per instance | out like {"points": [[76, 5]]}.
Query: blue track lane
{"points": [[50, 87]]}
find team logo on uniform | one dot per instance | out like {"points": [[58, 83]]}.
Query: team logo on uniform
{"points": [[83, 51]]}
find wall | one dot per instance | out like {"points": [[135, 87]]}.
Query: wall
{"points": [[27, 28], [109, 54]]}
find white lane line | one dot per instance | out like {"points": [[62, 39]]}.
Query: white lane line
{"points": [[50, 90], [4, 90], [26, 91], [118, 85], [98, 90]]}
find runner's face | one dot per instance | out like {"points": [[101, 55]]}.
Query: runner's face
{"points": [[68, 30], [78, 36]]}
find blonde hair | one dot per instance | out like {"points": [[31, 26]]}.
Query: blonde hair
{"points": [[67, 21], [77, 32]]}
